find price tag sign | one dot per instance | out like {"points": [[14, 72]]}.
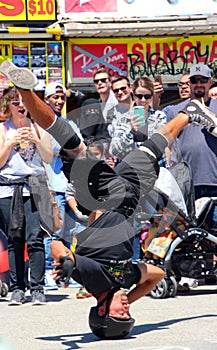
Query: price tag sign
{"points": [[41, 10], [31, 10]]}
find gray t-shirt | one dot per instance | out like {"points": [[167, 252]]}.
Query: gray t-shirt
{"points": [[198, 147]]}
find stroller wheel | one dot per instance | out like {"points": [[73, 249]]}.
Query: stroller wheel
{"points": [[171, 287], [4, 289], [160, 291]]}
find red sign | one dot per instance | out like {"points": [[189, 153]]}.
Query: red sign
{"points": [[90, 6], [87, 57]]}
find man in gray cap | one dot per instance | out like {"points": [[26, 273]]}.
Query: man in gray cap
{"points": [[197, 146], [200, 82]]}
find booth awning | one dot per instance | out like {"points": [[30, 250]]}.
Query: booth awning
{"points": [[138, 27]]}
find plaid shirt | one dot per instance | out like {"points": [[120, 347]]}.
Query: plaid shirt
{"points": [[120, 130]]}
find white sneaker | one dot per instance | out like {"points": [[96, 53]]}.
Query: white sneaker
{"points": [[50, 284], [191, 282], [198, 113], [20, 77]]}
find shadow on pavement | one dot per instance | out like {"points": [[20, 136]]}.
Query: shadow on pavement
{"points": [[165, 324], [54, 298], [195, 291], [75, 341]]}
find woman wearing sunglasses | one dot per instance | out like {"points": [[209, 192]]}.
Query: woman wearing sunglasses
{"points": [[24, 147], [128, 132], [143, 92]]}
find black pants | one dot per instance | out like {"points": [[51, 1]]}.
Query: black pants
{"points": [[32, 235]]}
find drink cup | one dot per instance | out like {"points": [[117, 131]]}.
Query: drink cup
{"points": [[24, 144]]}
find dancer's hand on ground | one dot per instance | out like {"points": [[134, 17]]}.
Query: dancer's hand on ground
{"points": [[64, 261], [64, 270]]}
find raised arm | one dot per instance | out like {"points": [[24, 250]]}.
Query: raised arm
{"points": [[46, 119]]}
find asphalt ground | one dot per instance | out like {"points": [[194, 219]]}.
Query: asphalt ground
{"points": [[186, 322]]}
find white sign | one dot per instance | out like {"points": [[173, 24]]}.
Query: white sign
{"points": [[81, 9]]}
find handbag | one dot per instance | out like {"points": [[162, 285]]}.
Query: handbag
{"points": [[58, 221]]}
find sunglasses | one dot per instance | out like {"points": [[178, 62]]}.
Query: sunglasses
{"points": [[122, 88], [146, 96], [103, 80], [15, 102], [202, 80]]}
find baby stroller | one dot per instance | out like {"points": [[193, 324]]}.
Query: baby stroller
{"points": [[177, 239]]}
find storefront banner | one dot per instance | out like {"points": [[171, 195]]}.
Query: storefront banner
{"points": [[137, 8], [45, 59], [135, 57], [28, 10], [87, 57]]}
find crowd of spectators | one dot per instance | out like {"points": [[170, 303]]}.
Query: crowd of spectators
{"points": [[112, 127]]}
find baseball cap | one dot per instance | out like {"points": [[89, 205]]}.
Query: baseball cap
{"points": [[200, 69], [51, 88]]}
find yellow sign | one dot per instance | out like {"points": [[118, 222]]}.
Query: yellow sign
{"points": [[41, 9], [27, 10], [45, 59], [135, 57]]}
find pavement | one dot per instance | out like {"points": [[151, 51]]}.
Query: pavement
{"points": [[185, 322]]}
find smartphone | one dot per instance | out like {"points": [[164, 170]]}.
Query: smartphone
{"points": [[140, 111], [158, 79]]}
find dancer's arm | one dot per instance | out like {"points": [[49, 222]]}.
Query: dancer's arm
{"points": [[45, 117], [150, 277]]}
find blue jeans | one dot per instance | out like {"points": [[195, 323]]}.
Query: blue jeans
{"points": [[136, 242], [149, 210], [64, 234], [33, 236]]}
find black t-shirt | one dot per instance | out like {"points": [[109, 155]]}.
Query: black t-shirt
{"points": [[118, 191], [110, 237]]}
